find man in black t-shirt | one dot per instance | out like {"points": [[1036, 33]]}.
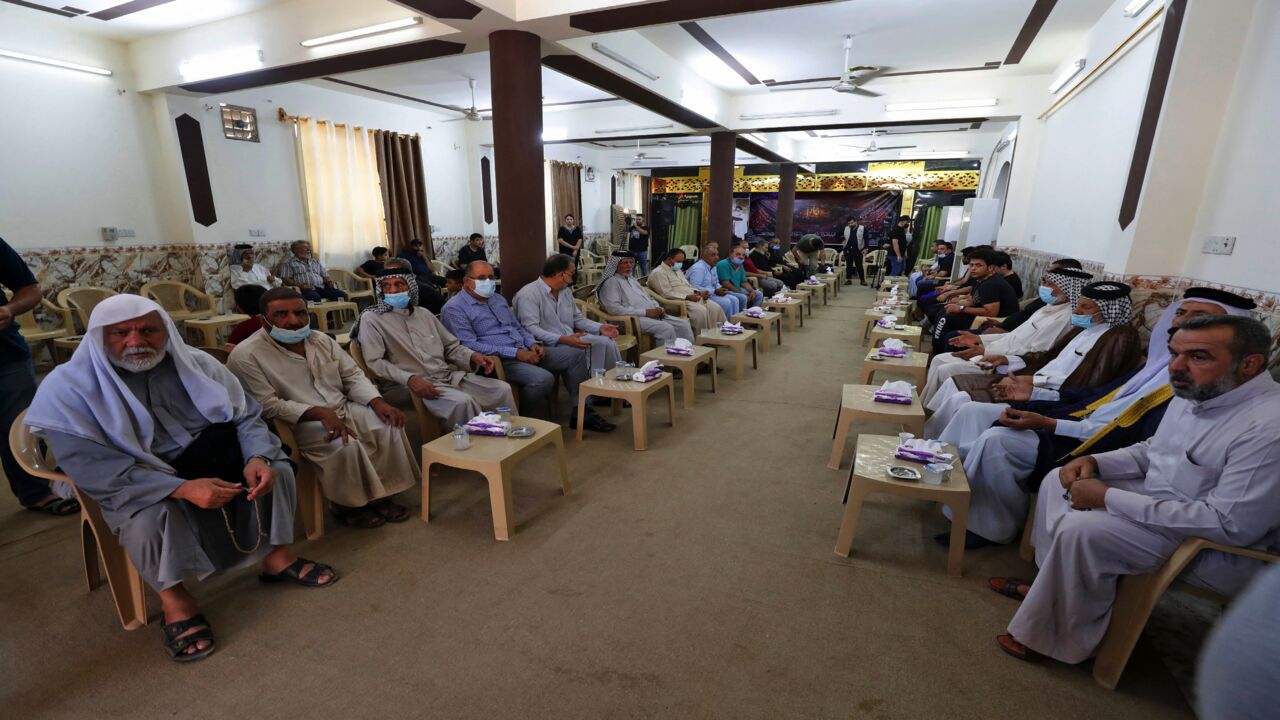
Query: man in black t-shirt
{"points": [[991, 296], [18, 382], [638, 244], [370, 268], [472, 251], [1004, 268]]}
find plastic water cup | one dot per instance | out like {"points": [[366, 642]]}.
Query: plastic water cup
{"points": [[936, 473], [504, 413], [903, 437], [598, 374], [461, 440]]}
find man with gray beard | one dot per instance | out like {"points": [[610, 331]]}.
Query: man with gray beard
{"points": [[166, 440], [1212, 470]]}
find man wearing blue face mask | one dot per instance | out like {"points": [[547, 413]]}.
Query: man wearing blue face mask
{"points": [[351, 436], [482, 320]]}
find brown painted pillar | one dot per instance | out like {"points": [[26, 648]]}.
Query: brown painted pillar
{"points": [[720, 194], [515, 76], [786, 203]]}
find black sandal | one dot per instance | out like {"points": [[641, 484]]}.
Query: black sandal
{"points": [[1008, 586], [60, 507], [293, 573], [391, 511], [177, 646], [364, 518]]}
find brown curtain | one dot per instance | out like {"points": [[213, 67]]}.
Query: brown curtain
{"points": [[646, 197], [566, 192], [404, 189]]}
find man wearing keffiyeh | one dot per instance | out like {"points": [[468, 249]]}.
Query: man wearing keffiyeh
{"points": [[406, 345], [1102, 347], [621, 294]]}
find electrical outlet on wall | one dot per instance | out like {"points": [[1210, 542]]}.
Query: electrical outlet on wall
{"points": [[126, 232], [1219, 245], [257, 232], [109, 234]]}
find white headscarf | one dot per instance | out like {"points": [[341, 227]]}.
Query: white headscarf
{"points": [[1158, 345], [87, 398]]}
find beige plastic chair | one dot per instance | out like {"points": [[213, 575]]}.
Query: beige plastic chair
{"points": [[1137, 595], [440, 267], [673, 307], [310, 494], [628, 328], [96, 538], [356, 287], [180, 300], [830, 256], [36, 334], [873, 265], [690, 251], [81, 301]]}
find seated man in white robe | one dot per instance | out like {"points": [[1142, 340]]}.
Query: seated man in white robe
{"points": [[166, 441], [621, 294], [1059, 290], [1105, 348], [1211, 471], [353, 438], [1005, 463], [668, 281], [406, 345]]}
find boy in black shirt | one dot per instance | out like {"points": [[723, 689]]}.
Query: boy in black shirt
{"points": [[991, 296]]}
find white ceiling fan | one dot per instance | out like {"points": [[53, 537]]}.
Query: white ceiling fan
{"points": [[853, 78], [471, 113], [871, 147], [641, 157]]}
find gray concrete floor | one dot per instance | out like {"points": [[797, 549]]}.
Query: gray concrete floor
{"points": [[695, 579]]}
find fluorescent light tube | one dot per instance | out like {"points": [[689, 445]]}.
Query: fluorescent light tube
{"points": [[756, 139], [934, 153], [554, 133], [55, 63], [782, 115], [363, 32], [1072, 70], [610, 131], [622, 60], [221, 63], [1135, 6], [941, 105]]}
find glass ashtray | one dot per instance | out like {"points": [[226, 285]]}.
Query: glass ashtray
{"points": [[520, 431], [904, 473]]}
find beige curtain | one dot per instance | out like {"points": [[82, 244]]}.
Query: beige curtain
{"points": [[404, 189], [341, 191], [564, 182]]}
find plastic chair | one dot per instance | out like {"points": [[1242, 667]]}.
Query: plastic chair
{"points": [[673, 307], [36, 334], [628, 328], [440, 267], [81, 301], [1137, 595], [873, 265], [690, 251], [310, 494], [96, 538], [357, 288], [180, 300]]}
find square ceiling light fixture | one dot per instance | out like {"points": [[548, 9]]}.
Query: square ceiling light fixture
{"points": [[55, 63], [221, 63], [941, 105], [363, 32]]}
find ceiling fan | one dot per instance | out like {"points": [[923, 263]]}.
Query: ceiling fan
{"points": [[852, 78], [871, 147], [470, 113], [642, 157]]}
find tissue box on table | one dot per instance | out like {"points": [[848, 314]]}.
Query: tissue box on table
{"points": [[780, 297], [895, 348], [813, 280], [487, 424], [896, 392], [731, 328], [919, 450], [885, 322], [754, 312], [680, 347], [649, 371]]}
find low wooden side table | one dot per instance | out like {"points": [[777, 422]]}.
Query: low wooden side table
{"points": [[209, 327], [792, 308], [766, 319], [739, 344], [804, 295], [857, 404], [915, 364], [633, 392], [870, 317], [688, 366], [909, 334], [820, 289], [495, 458], [869, 474]]}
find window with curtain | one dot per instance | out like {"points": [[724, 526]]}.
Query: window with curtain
{"points": [[341, 191], [403, 183]]}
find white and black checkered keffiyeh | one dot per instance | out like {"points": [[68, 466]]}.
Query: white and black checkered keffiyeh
{"points": [[1070, 281], [1112, 299], [611, 267], [380, 302]]}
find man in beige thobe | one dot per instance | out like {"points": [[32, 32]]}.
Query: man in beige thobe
{"points": [[351, 436], [668, 281], [406, 345]]}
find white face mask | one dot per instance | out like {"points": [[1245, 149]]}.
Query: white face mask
{"points": [[485, 288]]}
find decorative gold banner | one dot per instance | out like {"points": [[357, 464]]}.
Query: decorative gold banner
{"points": [[880, 176]]}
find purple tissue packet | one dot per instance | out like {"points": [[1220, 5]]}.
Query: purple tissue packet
{"points": [[917, 456], [673, 350], [891, 352], [485, 429], [894, 398]]}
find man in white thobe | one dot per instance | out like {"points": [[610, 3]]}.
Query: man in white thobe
{"points": [[1003, 463], [353, 438], [668, 281], [545, 308], [620, 294], [1103, 308], [1058, 289], [1211, 471]]}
